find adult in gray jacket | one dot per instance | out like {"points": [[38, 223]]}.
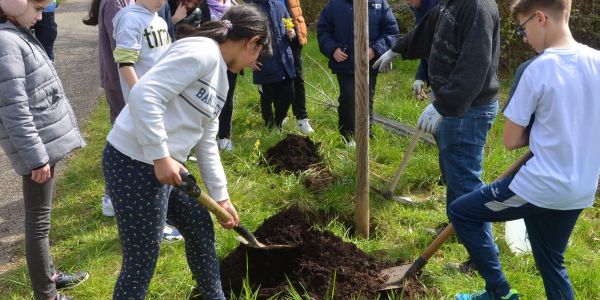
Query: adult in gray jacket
{"points": [[37, 129]]}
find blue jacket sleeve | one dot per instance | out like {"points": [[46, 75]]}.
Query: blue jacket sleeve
{"points": [[389, 31], [325, 32]]}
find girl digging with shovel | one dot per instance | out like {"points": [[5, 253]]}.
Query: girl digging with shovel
{"points": [[172, 109]]}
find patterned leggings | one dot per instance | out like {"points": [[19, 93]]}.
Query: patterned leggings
{"points": [[141, 205]]}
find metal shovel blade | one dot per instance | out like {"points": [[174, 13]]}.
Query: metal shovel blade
{"points": [[395, 277], [259, 245]]}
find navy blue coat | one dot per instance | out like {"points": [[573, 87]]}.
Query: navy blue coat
{"points": [[281, 65], [336, 30], [426, 6]]}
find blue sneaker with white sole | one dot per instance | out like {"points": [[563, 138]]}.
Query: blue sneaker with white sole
{"points": [[486, 295]]}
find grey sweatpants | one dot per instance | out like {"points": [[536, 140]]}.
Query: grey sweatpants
{"points": [[38, 204]]}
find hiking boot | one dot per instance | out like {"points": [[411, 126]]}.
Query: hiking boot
{"points": [[107, 207], [225, 145], [304, 126], [66, 281], [486, 295], [170, 233]]}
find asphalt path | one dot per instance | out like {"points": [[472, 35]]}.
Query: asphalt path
{"points": [[76, 60]]}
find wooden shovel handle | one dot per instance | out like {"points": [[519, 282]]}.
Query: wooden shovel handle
{"points": [[443, 236], [407, 154]]}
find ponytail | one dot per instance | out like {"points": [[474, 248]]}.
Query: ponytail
{"points": [[92, 18], [240, 22]]}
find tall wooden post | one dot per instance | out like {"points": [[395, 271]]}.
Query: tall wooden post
{"points": [[361, 85]]}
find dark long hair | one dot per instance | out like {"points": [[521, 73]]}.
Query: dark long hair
{"points": [[92, 18], [239, 22]]}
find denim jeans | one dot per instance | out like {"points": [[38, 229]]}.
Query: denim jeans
{"points": [[460, 143], [548, 231]]}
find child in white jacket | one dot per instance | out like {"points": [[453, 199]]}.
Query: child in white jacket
{"points": [[172, 109]]}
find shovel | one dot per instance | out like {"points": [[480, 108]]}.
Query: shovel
{"points": [[397, 275], [389, 193], [246, 237]]}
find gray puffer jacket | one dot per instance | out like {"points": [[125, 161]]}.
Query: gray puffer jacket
{"points": [[37, 123]]}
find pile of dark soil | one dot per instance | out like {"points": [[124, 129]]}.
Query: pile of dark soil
{"points": [[317, 259], [296, 154], [293, 154]]}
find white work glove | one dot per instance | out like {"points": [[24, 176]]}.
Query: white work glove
{"points": [[429, 120], [384, 63], [418, 89]]}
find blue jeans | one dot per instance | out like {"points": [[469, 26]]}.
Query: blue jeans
{"points": [[460, 143], [548, 230]]}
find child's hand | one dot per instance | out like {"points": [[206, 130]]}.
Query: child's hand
{"points": [[339, 55], [371, 53], [41, 175], [167, 171], [228, 206], [180, 13], [291, 33], [256, 66]]}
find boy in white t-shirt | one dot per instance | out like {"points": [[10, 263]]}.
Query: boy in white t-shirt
{"points": [[141, 37], [560, 89]]}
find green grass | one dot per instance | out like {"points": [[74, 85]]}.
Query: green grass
{"points": [[82, 238]]}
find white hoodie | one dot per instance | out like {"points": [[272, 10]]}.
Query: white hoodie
{"points": [[175, 107]]}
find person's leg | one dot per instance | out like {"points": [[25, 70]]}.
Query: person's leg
{"points": [[461, 143], [196, 225], [46, 31], [299, 103], [471, 213], [227, 111], [283, 97], [346, 105], [266, 100], [115, 101], [140, 203], [549, 235], [38, 204]]}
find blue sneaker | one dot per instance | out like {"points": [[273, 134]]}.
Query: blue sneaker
{"points": [[485, 295], [170, 233]]}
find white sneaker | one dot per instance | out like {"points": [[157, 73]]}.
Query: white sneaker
{"points": [[192, 158], [351, 144], [171, 233], [304, 126], [107, 207], [225, 145]]}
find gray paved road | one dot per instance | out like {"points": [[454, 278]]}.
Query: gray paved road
{"points": [[76, 52]]}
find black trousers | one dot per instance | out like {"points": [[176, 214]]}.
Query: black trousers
{"points": [[46, 31], [346, 100], [227, 111], [299, 102], [276, 95]]}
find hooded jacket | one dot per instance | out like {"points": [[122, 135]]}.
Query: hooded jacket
{"points": [[281, 65], [37, 123], [336, 30]]}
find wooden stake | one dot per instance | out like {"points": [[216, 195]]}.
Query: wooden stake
{"points": [[361, 88]]}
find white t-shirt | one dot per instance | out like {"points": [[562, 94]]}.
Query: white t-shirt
{"points": [[138, 29], [562, 89], [175, 107]]}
